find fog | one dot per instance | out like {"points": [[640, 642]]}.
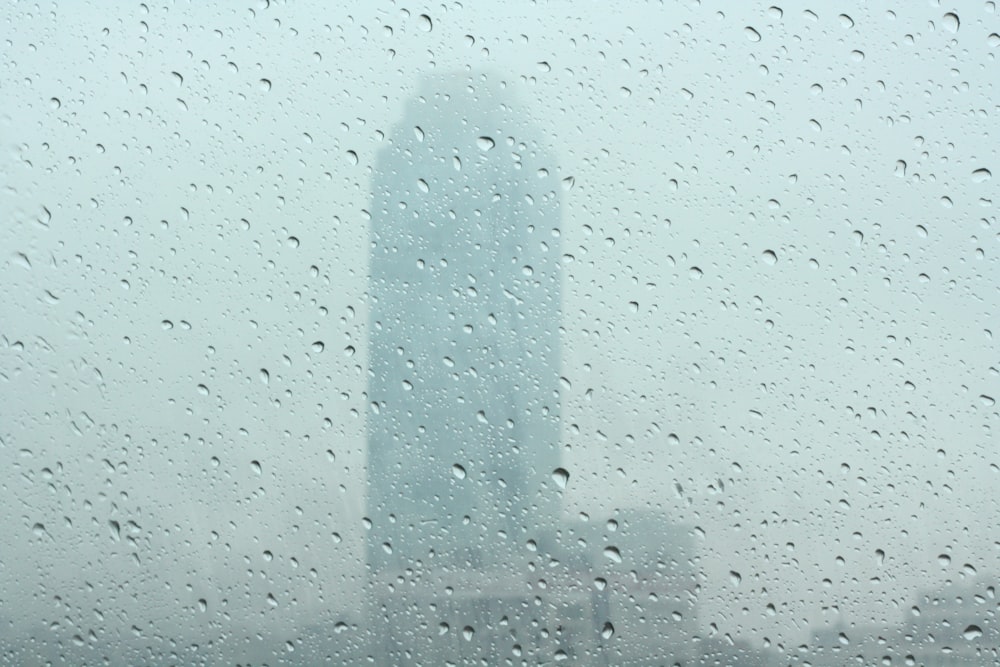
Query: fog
{"points": [[777, 279]]}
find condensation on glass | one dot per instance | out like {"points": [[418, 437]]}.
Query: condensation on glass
{"points": [[660, 334]]}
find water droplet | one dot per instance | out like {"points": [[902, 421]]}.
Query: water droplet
{"points": [[751, 34], [468, 632], [695, 273], [600, 583], [613, 554], [349, 351], [255, 466], [981, 175], [166, 325], [951, 22], [846, 21], [202, 605], [264, 85], [318, 346], [735, 578], [972, 632], [55, 103], [203, 390], [425, 23], [608, 631], [568, 183], [988, 401], [265, 377], [944, 560], [485, 143], [292, 242], [769, 257], [561, 477], [458, 471]]}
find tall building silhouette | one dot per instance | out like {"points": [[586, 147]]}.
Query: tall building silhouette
{"points": [[463, 430]]}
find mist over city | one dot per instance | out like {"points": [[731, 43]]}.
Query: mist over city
{"points": [[549, 332]]}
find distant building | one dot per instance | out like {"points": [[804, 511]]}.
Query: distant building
{"points": [[953, 626], [653, 589], [464, 357]]}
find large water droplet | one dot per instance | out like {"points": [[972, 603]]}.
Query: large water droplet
{"points": [[613, 554], [485, 143], [458, 471], [751, 34], [950, 22], [981, 175], [972, 632], [561, 477]]}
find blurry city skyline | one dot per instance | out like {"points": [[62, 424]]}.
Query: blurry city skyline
{"points": [[776, 311]]}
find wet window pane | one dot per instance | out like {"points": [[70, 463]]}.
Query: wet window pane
{"points": [[529, 333]]}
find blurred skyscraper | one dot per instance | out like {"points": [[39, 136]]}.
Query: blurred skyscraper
{"points": [[464, 358]]}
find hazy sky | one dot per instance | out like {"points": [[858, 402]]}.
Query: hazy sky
{"points": [[780, 283]]}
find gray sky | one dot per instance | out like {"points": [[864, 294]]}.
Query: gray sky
{"points": [[780, 286]]}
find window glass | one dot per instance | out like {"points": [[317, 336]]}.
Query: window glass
{"points": [[499, 334]]}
